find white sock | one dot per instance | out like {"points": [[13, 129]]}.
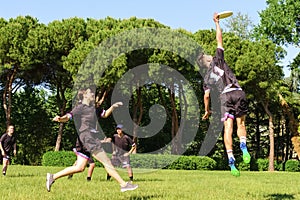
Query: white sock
{"points": [[243, 139], [230, 154]]}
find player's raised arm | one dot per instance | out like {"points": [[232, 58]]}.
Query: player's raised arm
{"points": [[218, 31], [111, 108]]}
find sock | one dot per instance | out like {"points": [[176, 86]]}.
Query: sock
{"points": [[231, 158], [108, 177], [243, 145]]}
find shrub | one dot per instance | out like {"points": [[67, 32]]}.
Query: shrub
{"points": [[62, 159], [292, 166], [150, 161], [58, 158], [262, 164]]}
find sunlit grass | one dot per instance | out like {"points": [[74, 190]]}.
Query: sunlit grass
{"points": [[28, 182]]}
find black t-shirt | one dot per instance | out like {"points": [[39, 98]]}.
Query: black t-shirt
{"points": [[123, 144], [85, 117], [8, 142], [219, 75]]}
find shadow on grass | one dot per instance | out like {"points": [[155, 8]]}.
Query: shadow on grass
{"points": [[147, 179], [20, 175], [279, 196], [146, 197]]}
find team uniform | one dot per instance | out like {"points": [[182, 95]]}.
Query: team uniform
{"points": [[122, 145], [85, 118], [232, 97], [8, 144], [79, 151]]}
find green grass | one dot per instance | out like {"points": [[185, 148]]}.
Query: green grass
{"points": [[28, 182]]}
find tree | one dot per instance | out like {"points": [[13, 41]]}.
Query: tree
{"points": [[32, 124], [241, 25], [280, 23], [16, 57], [63, 36]]}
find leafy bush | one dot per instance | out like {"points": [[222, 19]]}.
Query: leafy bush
{"points": [[292, 166], [172, 162], [262, 164], [150, 161], [62, 159], [58, 158]]}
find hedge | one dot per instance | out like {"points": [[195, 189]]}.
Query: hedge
{"points": [[146, 161], [158, 161]]}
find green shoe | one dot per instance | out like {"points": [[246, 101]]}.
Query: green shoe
{"points": [[246, 157], [234, 171]]}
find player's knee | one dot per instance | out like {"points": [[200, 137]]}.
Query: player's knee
{"points": [[80, 168]]}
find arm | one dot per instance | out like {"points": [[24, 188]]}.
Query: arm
{"points": [[109, 111], [206, 105], [99, 102], [133, 146], [64, 118], [2, 150], [106, 140], [15, 149], [131, 150], [218, 31]]}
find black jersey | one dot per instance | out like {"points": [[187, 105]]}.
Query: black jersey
{"points": [[85, 117], [123, 144], [8, 143], [219, 75]]}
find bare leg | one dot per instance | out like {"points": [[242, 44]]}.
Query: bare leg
{"points": [[79, 167], [241, 127], [130, 173], [91, 169], [242, 134], [5, 165], [228, 128], [110, 169]]}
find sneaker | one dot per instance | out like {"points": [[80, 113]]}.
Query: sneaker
{"points": [[49, 181], [246, 155], [3, 173], [128, 187], [70, 176], [234, 171], [88, 178]]}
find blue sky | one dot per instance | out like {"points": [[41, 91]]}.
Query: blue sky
{"points": [[191, 15]]}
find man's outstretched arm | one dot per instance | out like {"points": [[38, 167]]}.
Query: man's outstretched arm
{"points": [[218, 31]]}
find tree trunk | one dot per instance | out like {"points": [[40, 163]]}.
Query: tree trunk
{"points": [[175, 143], [59, 136], [60, 96], [7, 94], [271, 136], [293, 124], [137, 118], [257, 134]]}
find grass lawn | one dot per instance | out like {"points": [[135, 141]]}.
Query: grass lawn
{"points": [[28, 182]]}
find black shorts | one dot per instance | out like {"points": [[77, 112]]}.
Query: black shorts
{"points": [[120, 160], [233, 104], [90, 141]]}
